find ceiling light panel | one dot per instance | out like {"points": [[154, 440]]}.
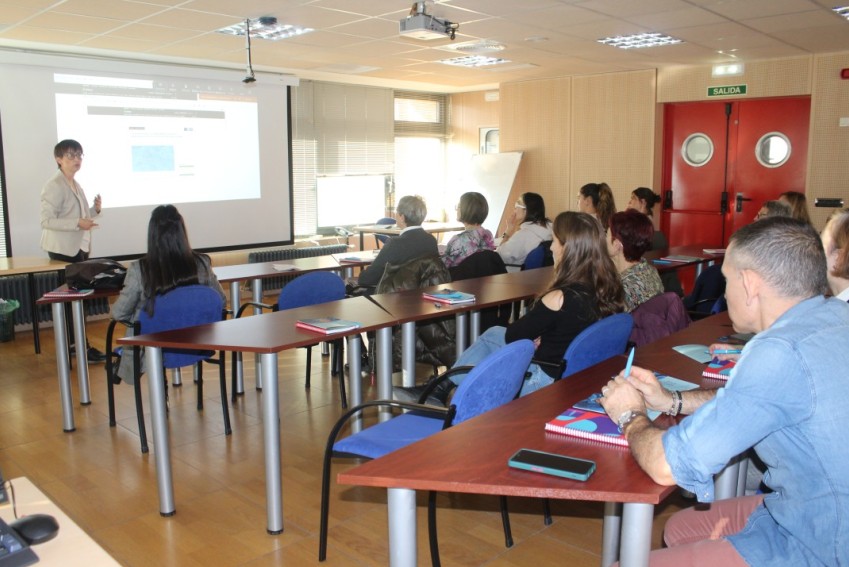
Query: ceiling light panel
{"points": [[640, 40], [842, 11], [476, 47], [474, 61], [266, 28]]}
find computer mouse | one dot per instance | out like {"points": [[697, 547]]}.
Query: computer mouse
{"points": [[36, 528]]}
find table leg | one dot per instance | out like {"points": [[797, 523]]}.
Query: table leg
{"points": [[383, 363], [475, 330], [742, 473], [725, 482], [33, 311], [402, 527], [82, 355], [611, 532], [636, 534], [408, 353], [462, 336], [256, 293], [235, 304], [355, 382], [271, 438], [63, 365], [362, 241], [159, 424]]}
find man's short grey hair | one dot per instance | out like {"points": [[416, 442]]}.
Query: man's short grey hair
{"points": [[785, 252], [413, 208], [777, 209]]}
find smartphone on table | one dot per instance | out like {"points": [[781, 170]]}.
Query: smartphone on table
{"points": [[552, 463]]}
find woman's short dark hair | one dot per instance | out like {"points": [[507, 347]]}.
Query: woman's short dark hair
{"points": [[170, 261], [650, 197], [473, 208], [66, 146], [634, 230], [535, 209]]}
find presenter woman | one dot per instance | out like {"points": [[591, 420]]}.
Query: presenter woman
{"points": [[170, 262], [66, 217]]}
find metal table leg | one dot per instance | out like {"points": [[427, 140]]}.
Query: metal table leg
{"points": [[725, 482], [63, 365], [408, 353], [235, 304], [611, 532], [159, 423], [355, 381], [82, 355], [402, 527], [475, 330], [636, 534], [256, 292], [271, 439], [461, 324], [383, 363]]}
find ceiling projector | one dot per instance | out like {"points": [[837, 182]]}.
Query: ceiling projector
{"points": [[421, 25]]}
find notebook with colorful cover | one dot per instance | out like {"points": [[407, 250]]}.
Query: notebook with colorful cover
{"points": [[719, 369], [669, 382], [587, 425], [449, 296], [327, 325]]}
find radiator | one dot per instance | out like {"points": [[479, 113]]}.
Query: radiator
{"points": [[16, 287], [276, 283]]}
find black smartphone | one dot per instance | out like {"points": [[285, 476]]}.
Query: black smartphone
{"points": [[552, 463]]}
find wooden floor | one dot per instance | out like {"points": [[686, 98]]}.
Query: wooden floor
{"points": [[100, 478]]}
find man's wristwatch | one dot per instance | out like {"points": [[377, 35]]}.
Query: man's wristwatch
{"points": [[627, 417]]}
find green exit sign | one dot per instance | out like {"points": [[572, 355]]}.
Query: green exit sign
{"points": [[727, 90]]}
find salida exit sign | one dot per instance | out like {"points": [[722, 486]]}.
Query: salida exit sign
{"points": [[727, 90]]}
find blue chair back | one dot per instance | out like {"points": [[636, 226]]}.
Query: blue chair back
{"points": [[184, 306], [311, 289], [601, 340], [536, 258], [382, 238], [494, 381]]}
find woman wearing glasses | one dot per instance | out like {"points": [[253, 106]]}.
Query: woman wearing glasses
{"points": [[66, 217], [526, 228]]}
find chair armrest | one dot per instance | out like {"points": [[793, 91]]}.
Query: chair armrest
{"points": [[432, 384], [253, 304], [560, 367]]}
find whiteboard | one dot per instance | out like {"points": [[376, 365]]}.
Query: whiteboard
{"points": [[491, 175]]}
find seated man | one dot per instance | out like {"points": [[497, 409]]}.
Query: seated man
{"points": [[413, 242], [786, 398]]}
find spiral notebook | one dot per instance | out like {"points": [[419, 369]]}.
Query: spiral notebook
{"points": [[719, 369], [587, 425]]}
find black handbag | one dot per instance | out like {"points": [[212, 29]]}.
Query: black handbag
{"points": [[101, 273]]}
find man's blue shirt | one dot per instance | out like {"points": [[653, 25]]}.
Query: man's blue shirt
{"points": [[788, 397]]}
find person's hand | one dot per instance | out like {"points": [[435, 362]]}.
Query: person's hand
{"points": [[619, 396], [86, 224], [537, 341], [97, 203], [656, 396], [724, 346]]}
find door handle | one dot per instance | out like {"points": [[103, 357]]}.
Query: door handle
{"points": [[740, 198], [667, 199]]}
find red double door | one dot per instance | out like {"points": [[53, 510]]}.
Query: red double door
{"points": [[722, 160]]}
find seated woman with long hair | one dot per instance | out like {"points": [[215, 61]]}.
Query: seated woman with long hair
{"points": [[584, 289], [596, 199], [170, 262], [798, 204], [471, 211], [628, 239], [526, 229]]}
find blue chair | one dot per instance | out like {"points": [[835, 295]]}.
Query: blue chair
{"points": [[539, 256], [185, 306], [493, 382], [311, 288], [380, 239]]}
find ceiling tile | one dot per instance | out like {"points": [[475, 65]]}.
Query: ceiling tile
{"points": [[114, 9], [190, 19]]}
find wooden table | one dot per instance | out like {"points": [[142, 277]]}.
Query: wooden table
{"points": [[446, 461], [267, 336], [393, 230], [71, 547], [695, 251], [29, 266]]}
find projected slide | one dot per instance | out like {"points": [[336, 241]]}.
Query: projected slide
{"points": [[161, 141]]}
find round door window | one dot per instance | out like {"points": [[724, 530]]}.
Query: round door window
{"points": [[773, 149], [697, 149]]}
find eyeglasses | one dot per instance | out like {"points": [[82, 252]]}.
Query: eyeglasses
{"points": [[74, 155], [520, 206]]}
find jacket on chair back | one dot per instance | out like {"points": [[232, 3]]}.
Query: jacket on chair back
{"points": [[434, 339]]}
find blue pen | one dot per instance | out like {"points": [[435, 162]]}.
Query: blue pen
{"points": [[726, 351], [629, 363]]}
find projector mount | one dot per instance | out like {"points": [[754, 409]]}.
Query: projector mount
{"points": [[421, 25]]}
